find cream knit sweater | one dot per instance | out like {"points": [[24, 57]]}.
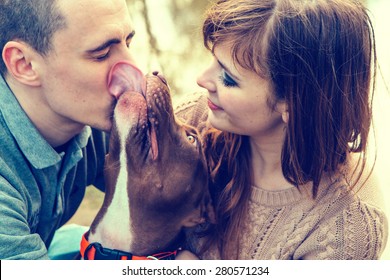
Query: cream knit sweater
{"points": [[290, 224]]}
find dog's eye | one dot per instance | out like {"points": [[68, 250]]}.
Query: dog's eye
{"points": [[192, 139]]}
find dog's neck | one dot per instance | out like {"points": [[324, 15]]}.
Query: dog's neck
{"points": [[136, 237], [131, 229], [157, 242]]}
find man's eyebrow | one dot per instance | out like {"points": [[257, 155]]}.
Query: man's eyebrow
{"points": [[110, 42], [228, 71]]}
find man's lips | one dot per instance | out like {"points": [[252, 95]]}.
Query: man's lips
{"points": [[212, 106]]}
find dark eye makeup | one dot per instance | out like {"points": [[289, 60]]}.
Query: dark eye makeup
{"points": [[226, 80]]}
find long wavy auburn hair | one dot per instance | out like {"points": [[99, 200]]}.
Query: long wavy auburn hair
{"points": [[320, 58]]}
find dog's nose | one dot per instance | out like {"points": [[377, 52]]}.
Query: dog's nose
{"points": [[161, 76]]}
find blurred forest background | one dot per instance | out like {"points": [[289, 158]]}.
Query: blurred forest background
{"points": [[168, 38]]}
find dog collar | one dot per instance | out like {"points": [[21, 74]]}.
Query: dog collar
{"points": [[95, 251]]}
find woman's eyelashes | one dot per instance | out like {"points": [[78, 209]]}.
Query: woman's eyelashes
{"points": [[226, 80]]}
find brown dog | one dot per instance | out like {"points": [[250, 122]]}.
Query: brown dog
{"points": [[155, 172]]}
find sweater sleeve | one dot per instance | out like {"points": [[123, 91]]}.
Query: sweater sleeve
{"points": [[359, 232], [192, 110]]}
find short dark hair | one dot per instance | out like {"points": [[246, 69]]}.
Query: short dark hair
{"points": [[30, 21]]}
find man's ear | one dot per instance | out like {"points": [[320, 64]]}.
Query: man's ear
{"points": [[19, 58]]}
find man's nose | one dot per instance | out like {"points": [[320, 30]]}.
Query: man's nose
{"points": [[128, 56]]}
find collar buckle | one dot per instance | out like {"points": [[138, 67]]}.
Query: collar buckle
{"points": [[102, 253]]}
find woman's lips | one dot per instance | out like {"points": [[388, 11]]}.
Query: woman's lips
{"points": [[212, 106]]}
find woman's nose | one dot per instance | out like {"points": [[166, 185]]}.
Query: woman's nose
{"points": [[205, 80]]}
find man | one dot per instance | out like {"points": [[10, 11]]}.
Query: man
{"points": [[54, 101]]}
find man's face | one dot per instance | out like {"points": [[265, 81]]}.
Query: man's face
{"points": [[74, 74]]}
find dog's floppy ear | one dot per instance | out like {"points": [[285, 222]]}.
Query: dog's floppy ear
{"points": [[208, 210], [194, 219], [124, 76], [204, 213]]}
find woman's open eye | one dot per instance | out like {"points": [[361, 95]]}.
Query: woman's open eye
{"points": [[226, 80], [192, 139]]}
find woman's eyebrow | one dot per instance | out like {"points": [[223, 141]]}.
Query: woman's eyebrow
{"points": [[227, 70]]}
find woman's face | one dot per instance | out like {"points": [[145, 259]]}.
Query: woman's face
{"points": [[240, 101]]}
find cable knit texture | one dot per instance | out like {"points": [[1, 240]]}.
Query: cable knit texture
{"points": [[290, 224]]}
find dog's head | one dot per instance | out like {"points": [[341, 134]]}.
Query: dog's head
{"points": [[166, 172]]}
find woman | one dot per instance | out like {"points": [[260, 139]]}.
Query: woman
{"points": [[289, 98]]}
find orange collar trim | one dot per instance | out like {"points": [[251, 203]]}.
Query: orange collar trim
{"points": [[95, 251]]}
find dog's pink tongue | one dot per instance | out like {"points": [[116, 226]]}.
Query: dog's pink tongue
{"points": [[154, 146], [123, 77]]}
